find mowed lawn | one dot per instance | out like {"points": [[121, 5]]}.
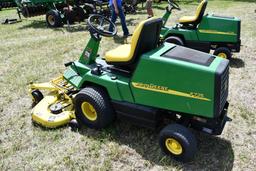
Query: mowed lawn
{"points": [[29, 51]]}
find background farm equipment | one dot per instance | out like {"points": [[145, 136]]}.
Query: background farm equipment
{"points": [[130, 6], [203, 32], [59, 12], [7, 4]]}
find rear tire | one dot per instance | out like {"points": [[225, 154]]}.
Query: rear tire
{"points": [[175, 40], [223, 52], [53, 19], [177, 141], [93, 108], [80, 14]]}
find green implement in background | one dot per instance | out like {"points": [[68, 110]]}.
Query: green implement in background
{"points": [[203, 32], [7, 4]]}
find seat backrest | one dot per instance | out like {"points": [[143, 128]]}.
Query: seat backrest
{"points": [[145, 38], [200, 11]]}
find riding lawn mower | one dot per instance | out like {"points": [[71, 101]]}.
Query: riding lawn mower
{"points": [[203, 32], [145, 83]]}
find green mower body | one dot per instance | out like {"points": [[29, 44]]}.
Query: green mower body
{"points": [[211, 33], [170, 78]]}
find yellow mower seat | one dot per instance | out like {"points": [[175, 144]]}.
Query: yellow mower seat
{"points": [[196, 19], [120, 54], [144, 39]]}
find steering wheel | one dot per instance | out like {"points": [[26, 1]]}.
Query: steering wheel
{"points": [[100, 25], [174, 5]]}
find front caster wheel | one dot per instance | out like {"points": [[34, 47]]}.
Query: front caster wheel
{"points": [[37, 96], [93, 108], [223, 52], [177, 141]]}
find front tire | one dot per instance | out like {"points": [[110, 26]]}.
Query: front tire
{"points": [[93, 108], [53, 19], [223, 52], [177, 141]]}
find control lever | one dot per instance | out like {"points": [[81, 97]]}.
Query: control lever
{"points": [[72, 63], [68, 64]]}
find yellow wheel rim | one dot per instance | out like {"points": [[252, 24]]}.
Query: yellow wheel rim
{"points": [[173, 146], [222, 55], [51, 20], [89, 111]]}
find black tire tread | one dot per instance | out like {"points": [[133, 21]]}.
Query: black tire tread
{"points": [[37, 96], [101, 101], [223, 50], [182, 133], [55, 13]]}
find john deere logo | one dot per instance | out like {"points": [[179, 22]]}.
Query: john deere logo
{"points": [[166, 90], [151, 86]]}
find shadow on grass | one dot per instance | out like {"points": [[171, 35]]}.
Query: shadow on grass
{"points": [[76, 28], [214, 152], [159, 7], [37, 24], [120, 39], [236, 63], [41, 24], [130, 22], [138, 12]]}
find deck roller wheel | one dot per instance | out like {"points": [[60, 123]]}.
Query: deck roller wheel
{"points": [[37, 97]]}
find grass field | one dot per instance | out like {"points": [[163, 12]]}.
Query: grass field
{"points": [[29, 51]]}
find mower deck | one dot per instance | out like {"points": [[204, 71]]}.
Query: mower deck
{"points": [[56, 108]]}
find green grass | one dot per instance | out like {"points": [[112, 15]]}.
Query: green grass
{"points": [[29, 51]]}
